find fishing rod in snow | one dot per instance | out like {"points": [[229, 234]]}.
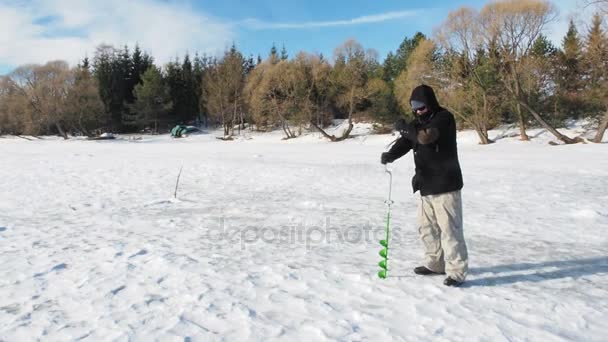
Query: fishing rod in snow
{"points": [[383, 273]]}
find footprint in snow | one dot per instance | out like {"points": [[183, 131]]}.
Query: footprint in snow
{"points": [[141, 252], [118, 289], [59, 267]]}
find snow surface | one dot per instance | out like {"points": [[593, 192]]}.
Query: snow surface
{"points": [[277, 240]]}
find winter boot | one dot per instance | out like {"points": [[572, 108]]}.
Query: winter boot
{"points": [[422, 270], [451, 282]]}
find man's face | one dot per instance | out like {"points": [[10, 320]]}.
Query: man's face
{"points": [[420, 108]]}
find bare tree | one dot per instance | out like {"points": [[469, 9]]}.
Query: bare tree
{"points": [[84, 109], [602, 5], [351, 80], [515, 25], [258, 108], [46, 89], [224, 90], [273, 94], [313, 75], [13, 108], [234, 74], [420, 69], [469, 68]]}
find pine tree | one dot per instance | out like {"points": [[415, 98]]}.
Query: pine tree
{"points": [[569, 80], [103, 70], [399, 62], [173, 77], [152, 100], [140, 62], [273, 57], [121, 92], [596, 53], [284, 55], [86, 64], [198, 69], [189, 106], [596, 72], [543, 47], [389, 68], [249, 64]]}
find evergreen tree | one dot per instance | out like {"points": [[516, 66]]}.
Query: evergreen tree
{"points": [[86, 64], [596, 55], [569, 80], [540, 82], [140, 62], [121, 94], [188, 109], [173, 77], [396, 63], [198, 69], [596, 73], [284, 55], [103, 71], [274, 56], [152, 100], [249, 64], [389, 68]]}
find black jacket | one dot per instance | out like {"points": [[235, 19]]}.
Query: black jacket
{"points": [[437, 167]]}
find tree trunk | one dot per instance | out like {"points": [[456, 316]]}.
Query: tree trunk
{"points": [[282, 119], [234, 117], [483, 135], [516, 92], [289, 134], [601, 129], [548, 127], [346, 133], [83, 130], [480, 129], [522, 123], [330, 137], [351, 111], [242, 122], [61, 131]]}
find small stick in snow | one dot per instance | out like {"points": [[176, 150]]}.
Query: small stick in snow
{"points": [[177, 182]]}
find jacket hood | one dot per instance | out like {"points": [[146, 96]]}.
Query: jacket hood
{"points": [[424, 93]]}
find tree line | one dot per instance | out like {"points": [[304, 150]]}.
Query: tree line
{"points": [[490, 66]]}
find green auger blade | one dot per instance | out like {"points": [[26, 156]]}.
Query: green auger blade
{"points": [[382, 274], [384, 243], [382, 264], [384, 253]]}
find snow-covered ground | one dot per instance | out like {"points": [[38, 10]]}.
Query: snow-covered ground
{"points": [[277, 240]]}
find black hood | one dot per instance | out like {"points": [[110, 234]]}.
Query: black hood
{"points": [[424, 93]]}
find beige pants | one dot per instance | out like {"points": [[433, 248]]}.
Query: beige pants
{"points": [[440, 228]]}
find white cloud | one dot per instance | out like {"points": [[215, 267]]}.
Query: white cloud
{"points": [[42, 30], [376, 18]]}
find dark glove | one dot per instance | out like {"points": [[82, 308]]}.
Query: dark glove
{"points": [[387, 157], [407, 130]]}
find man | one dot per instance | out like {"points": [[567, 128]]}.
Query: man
{"points": [[432, 137]]}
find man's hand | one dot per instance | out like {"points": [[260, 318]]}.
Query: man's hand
{"points": [[386, 157], [406, 130]]}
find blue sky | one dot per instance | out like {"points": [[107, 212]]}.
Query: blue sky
{"points": [[42, 30]]}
